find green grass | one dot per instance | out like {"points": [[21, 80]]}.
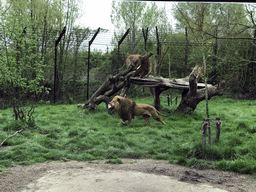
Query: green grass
{"points": [[65, 132]]}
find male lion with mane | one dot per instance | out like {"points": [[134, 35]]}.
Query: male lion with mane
{"points": [[127, 109]]}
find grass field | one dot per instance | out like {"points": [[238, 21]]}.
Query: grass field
{"points": [[65, 132]]}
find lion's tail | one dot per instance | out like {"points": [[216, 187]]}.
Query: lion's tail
{"points": [[122, 66], [163, 114]]}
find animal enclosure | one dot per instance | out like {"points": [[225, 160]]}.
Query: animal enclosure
{"points": [[78, 71]]}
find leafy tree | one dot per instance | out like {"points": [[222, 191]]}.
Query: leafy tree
{"points": [[29, 29], [128, 15], [221, 20], [137, 15], [21, 66]]}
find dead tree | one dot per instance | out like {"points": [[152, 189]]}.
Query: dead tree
{"points": [[113, 84], [192, 91], [192, 96]]}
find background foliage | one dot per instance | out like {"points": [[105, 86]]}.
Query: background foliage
{"points": [[29, 30]]}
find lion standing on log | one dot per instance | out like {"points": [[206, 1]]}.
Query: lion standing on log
{"points": [[127, 109], [143, 67]]}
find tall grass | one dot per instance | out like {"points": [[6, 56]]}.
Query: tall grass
{"points": [[65, 132]]}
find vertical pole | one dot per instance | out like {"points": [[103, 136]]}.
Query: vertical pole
{"points": [[55, 75], [168, 99], [158, 56], [88, 67], [215, 48], [251, 68], [157, 90], [121, 40], [186, 52], [145, 35], [118, 47], [118, 57], [55, 65], [218, 126], [204, 130], [209, 132], [88, 71], [158, 43]]}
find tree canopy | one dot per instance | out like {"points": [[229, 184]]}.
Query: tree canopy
{"points": [[135, 16], [29, 29]]}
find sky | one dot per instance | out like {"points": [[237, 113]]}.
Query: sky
{"points": [[96, 13]]}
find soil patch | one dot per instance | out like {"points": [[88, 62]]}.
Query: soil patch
{"points": [[19, 177]]}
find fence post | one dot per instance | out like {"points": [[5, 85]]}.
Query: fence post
{"points": [[251, 65], [168, 99], [218, 126], [186, 51], [145, 35], [118, 47], [158, 43], [55, 64], [88, 67], [215, 51], [209, 132], [204, 130]]}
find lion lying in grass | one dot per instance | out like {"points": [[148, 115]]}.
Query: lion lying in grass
{"points": [[127, 109]]}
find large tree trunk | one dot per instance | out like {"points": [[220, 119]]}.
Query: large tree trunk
{"points": [[191, 98]]}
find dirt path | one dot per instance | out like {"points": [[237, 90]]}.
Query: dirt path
{"points": [[47, 176]]}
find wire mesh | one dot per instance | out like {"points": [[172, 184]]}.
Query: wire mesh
{"points": [[232, 52]]}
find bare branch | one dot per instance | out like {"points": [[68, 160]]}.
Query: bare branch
{"points": [[250, 13], [11, 136], [161, 60], [7, 9]]}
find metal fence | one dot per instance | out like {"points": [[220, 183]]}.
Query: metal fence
{"points": [[226, 54]]}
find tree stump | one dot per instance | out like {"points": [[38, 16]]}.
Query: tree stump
{"points": [[204, 128], [191, 97], [218, 126]]}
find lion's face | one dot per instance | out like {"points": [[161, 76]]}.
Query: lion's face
{"points": [[114, 104]]}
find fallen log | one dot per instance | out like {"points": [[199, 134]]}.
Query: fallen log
{"points": [[108, 88], [192, 91], [181, 84]]}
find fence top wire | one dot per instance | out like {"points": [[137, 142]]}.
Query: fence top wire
{"points": [[105, 38]]}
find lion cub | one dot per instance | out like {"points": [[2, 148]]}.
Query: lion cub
{"points": [[127, 109]]}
